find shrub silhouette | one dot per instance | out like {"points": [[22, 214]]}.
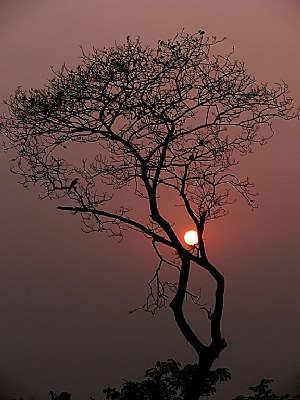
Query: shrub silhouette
{"points": [[167, 380], [264, 392]]}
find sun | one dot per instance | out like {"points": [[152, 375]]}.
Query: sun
{"points": [[191, 238]]}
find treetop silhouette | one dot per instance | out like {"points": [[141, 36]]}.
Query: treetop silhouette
{"points": [[167, 380]]}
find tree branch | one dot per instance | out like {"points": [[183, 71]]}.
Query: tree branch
{"points": [[120, 218]]}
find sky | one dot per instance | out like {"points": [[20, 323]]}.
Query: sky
{"points": [[65, 295]]}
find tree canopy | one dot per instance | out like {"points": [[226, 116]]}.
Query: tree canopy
{"points": [[167, 380], [263, 391], [174, 116]]}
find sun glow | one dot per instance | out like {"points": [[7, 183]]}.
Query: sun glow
{"points": [[191, 238]]}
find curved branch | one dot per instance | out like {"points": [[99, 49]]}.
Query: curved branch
{"points": [[120, 218]]}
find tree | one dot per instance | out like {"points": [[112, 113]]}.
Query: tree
{"points": [[166, 381], [156, 123], [61, 396], [263, 391]]}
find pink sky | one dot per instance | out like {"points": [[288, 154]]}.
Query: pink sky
{"points": [[65, 296]]}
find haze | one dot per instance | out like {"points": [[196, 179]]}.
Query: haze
{"points": [[65, 295]]}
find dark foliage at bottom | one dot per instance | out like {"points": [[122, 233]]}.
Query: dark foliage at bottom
{"points": [[168, 380], [264, 392]]}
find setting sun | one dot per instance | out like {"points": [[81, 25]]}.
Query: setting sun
{"points": [[191, 238]]}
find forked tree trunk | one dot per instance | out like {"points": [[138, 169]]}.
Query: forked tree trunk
{"points": [[206, 354]]}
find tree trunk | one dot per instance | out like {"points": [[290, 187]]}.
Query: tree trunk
{"points": [[206, 354], [197, 386]]}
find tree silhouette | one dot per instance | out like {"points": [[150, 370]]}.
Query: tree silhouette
{"points": [[263, 391], [61, 396], [166, 381], [165, 125]]}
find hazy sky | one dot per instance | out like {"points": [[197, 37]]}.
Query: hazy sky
{"points": [[65, 295]]}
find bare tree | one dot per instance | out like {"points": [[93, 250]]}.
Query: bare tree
{"points": [[165, 122]]}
